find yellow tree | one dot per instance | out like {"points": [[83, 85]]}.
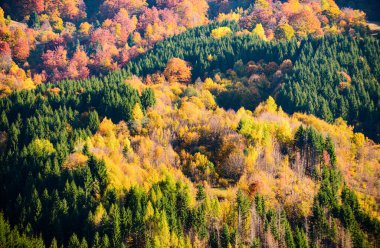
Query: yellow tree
{"points": [[291, 7], [220, 32], [41, 148], [149, 31], [56, 21], [137, 113], [284, 32], [330, 8], [264, 4], [2, 19], [84, 28], [259, 31]]}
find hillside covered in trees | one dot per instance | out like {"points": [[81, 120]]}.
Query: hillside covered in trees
{"points": [[188, 123], [115, 161], [298, 73], [47, 40]]}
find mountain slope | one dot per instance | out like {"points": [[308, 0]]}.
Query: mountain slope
{"points": [[343, 84], [165, 172]]}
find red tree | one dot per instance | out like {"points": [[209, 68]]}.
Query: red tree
{"points": [[5, 56], [20, 45], [55, 63], [77, 68]]}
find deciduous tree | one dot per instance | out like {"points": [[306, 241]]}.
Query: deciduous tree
{"points": [[284, 32], [220, 32], [259, 31], [77, 68], [177, 70], [5, 56]]}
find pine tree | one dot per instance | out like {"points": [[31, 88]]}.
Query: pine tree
{"points": [[83, 244], [148, 98], [105, 242], [116, 232], [53, 243], [201, 194], [301, 239], [288, 235], [34, 21], [225, 236], [4, 121], [96, 242], [74, 242], [330, 148], [93, 121]]}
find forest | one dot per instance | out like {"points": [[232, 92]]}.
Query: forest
{"points": [[69, 173], [189, 123], [300, 75]]}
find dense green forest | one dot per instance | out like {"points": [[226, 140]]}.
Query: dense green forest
{"points": [[343, 84]]}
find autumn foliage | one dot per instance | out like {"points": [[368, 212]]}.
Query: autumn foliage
{"points": [[178, 71], [160, 160], [118, 32], [109, 34], [183, 123]]}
